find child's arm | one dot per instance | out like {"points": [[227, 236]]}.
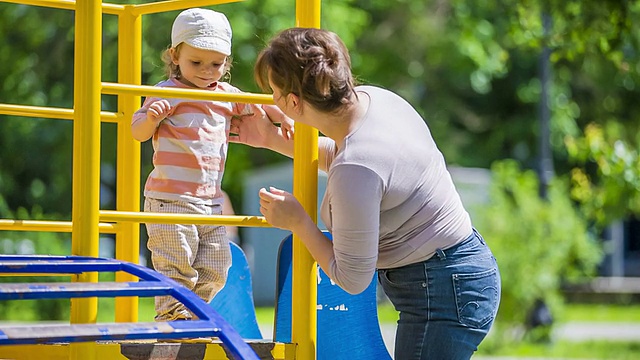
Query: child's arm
{"points": [[278, 117], [144, 125]]}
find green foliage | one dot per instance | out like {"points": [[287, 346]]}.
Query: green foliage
{"points": [[595, 59], [612, 190], [574, 29], [538, 243], [37, 57]]}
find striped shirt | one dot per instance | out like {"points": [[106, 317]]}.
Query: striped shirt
{"points": [[190, 147]]}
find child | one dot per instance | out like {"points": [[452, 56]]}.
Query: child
{"points": [[190, 140]]}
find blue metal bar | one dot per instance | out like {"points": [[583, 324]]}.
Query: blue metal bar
{"points": [[210, 323], [28, 291], [39, 334]]}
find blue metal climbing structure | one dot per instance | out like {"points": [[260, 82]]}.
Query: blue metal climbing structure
{"points": [[209, 323]]}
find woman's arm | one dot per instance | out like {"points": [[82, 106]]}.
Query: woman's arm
{"points": [[355, 194], [282, 210], [258, 130]]}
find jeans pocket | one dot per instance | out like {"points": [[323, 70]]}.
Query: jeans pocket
{"points": [[403, 278], [477, 297]]}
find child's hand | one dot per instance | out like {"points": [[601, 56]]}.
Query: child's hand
{"points": [[287, 125], [278, 117], [159, 110]]}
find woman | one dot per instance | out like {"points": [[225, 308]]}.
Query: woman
{"points": [[390, 202]]}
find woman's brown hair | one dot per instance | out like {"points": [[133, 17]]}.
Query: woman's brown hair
{"points": [[313, 64]]}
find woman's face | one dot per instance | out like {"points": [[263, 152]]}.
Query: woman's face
{"points": [[284, 102], [199, 68]]}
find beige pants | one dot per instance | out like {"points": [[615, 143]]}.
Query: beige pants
{"points": [[196, 256]]}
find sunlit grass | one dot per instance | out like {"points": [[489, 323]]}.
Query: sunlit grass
{"points": [[265, 315], [618, 350], [106, 309], [602, 313]]}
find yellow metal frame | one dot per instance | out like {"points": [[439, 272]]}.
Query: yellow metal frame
{"points": [[88, 221]]}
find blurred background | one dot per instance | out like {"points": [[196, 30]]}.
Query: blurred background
{"points": [[533, 103]]}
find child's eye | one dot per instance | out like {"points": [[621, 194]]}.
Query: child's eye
{"points": [[195, 62], [217, 64]]}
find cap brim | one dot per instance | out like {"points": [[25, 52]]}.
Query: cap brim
{"points": [[212, 44]]}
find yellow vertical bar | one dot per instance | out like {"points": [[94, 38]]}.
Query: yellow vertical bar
{"points": [[128, 155], [308, 13], [86, 157], [305, 188]]}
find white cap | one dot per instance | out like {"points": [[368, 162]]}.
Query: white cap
{"points": [[203, 29]]}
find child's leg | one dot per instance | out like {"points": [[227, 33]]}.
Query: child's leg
{"points": [[213, 261], [214, 258], [173, 249]]}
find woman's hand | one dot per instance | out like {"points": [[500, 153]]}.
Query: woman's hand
{"points": [[253, 129], [282, 209]]}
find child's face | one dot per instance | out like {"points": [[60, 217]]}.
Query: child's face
{"points": [[199, 68]]}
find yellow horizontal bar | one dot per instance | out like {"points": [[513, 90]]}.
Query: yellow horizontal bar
{"points": [[113, 9], [53, 226], [162, 218], [170, 5], [116, 9], [111, 117], [50, 112], [36, 111], [122, 89]]}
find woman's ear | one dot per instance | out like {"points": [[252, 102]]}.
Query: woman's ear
{"points": [[294, 100]]}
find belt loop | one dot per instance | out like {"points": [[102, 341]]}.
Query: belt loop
{"points": [[478, 236], [441, 254]]}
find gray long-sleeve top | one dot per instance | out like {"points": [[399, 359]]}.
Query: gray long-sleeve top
{"points": [[390, 200]]}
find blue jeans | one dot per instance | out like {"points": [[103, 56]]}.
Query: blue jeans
{"points": [[446, 303]]}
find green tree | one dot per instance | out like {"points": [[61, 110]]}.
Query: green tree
{"points": [[538, 243], [37, 54], [596, 66], [611, 191]]}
